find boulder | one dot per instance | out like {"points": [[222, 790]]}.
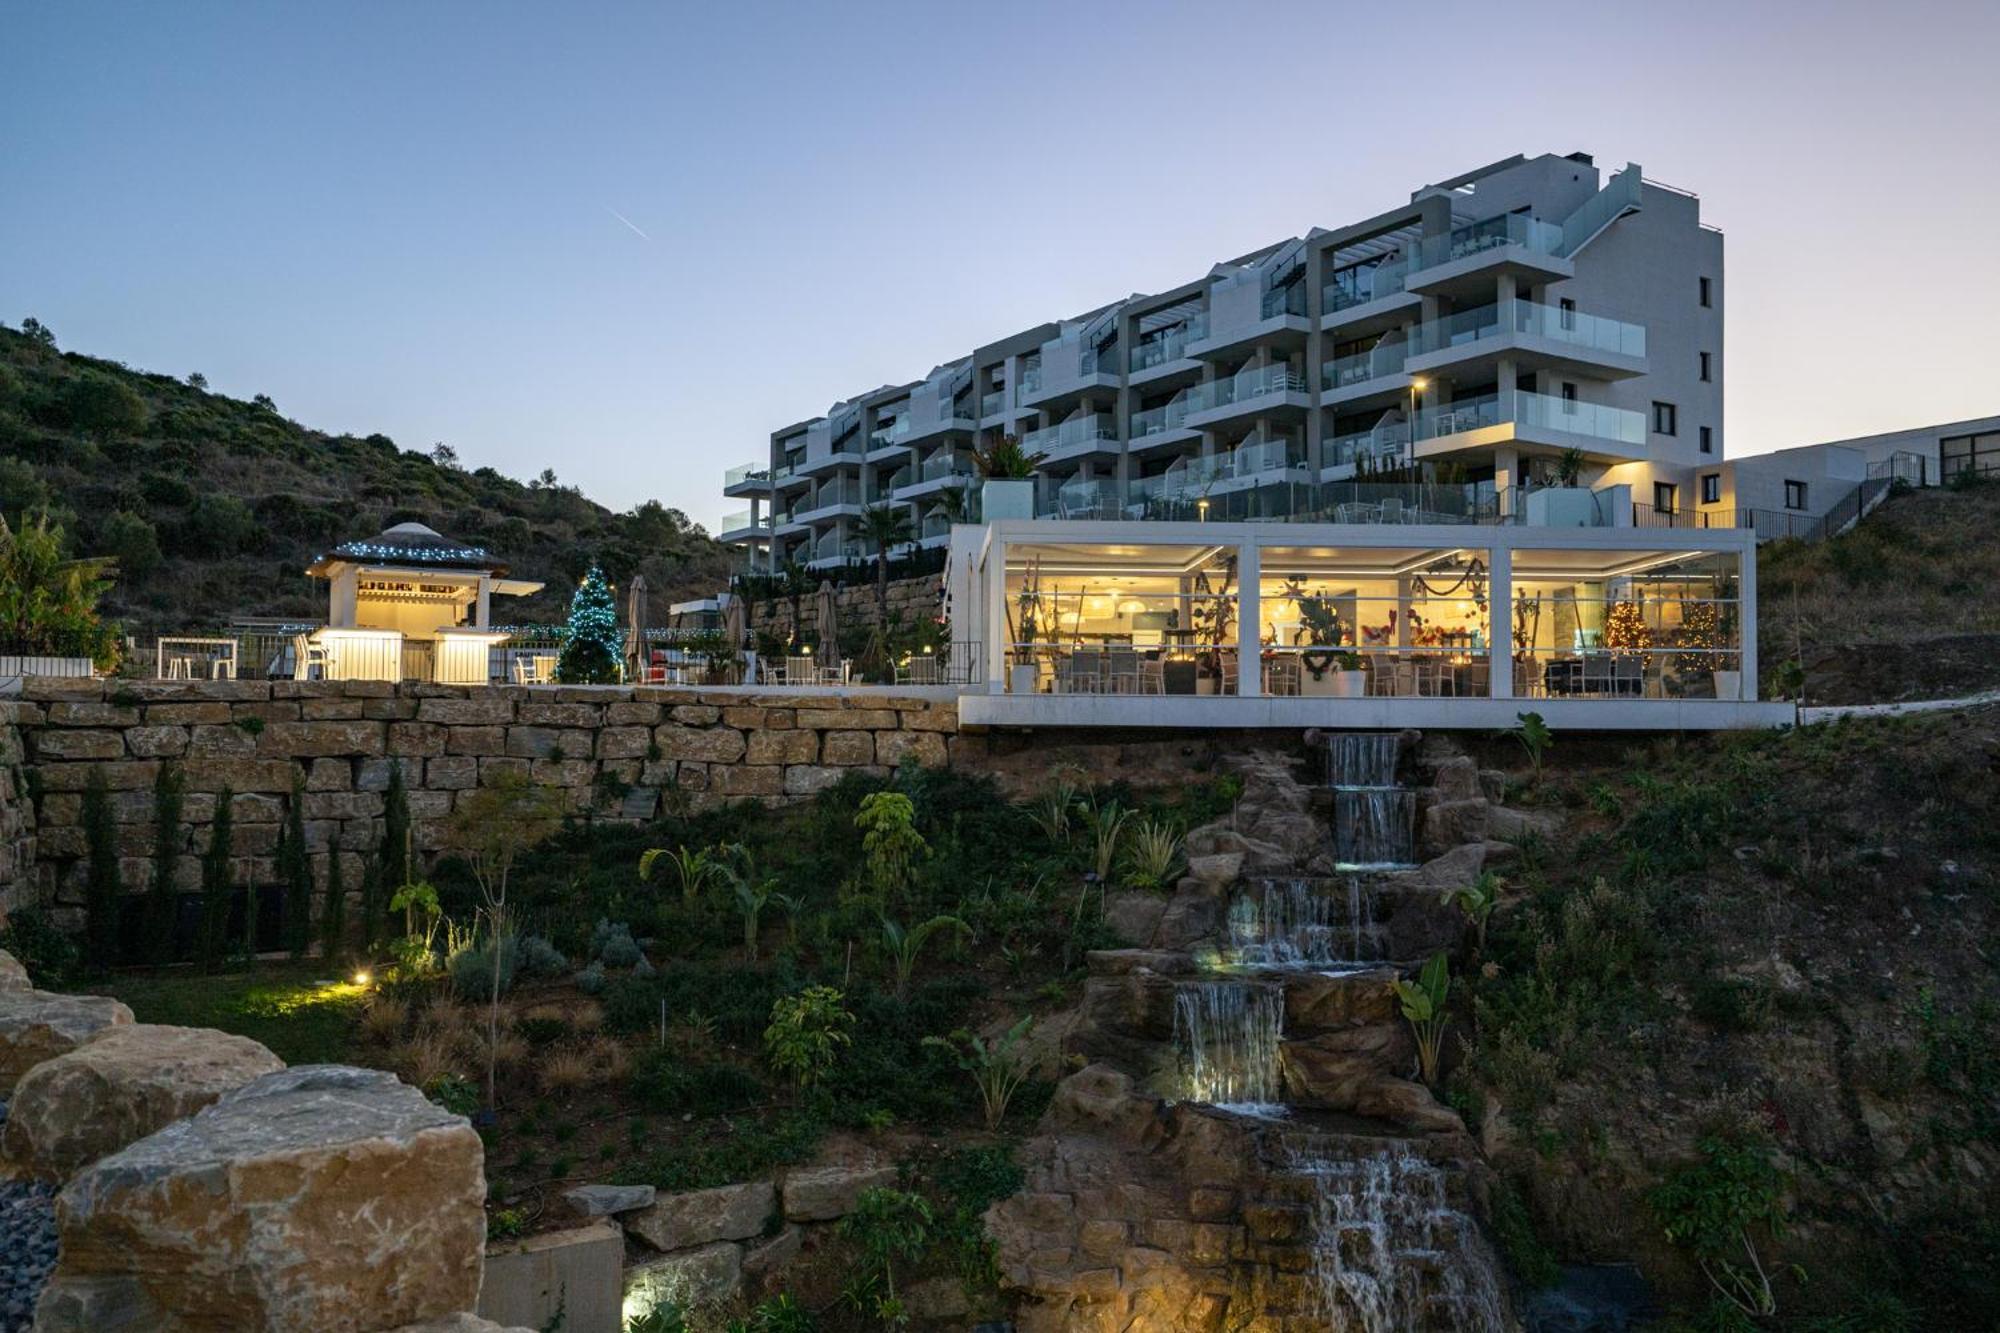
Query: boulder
{"points": [[707, 1275], [326, 1198], [1457, 779], [821, 1194], [12, 975], [701, 1217], [1134, 915], [38, 1025], [1319, 1000], [123, 1084], [1220, 868], [1449, 824], [607, 1200], [764, 1258], [1334, 1071]]}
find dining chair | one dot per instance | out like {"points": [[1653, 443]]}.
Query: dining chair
{"points": [[1152, 674], [1121, 671]]}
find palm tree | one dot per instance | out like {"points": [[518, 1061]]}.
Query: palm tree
{"points": [[796, 582], [886, 527]]}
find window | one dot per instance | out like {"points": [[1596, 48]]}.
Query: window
{"points": [[1711, 487], [1795, 495], [1708, 439], [1569, 396], [1666, 421], [1974, 454], [1704, 368], [1665, 496], [1705, 301], [1566, 308]]}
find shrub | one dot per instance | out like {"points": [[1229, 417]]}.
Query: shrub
{"points": [[471, 969], [49, 955], [890, 841], [537, 957], [669, 1083], [1155, 850], [1711, 1207], [100, 406], [806, 1033], [132, 542], [611, 943], [997, 1068], [590, 980]]}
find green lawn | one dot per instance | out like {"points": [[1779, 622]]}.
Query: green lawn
{"points": [[283, 1005]]}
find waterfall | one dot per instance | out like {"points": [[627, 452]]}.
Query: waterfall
{"points": [[1390, 1253], [1297, 922], [1374, 819], [1226, 1039]]}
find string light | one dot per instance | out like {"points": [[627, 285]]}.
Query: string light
{"points": [[421, 554]]}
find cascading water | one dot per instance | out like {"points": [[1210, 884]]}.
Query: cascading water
{"points": [[1301, 923], [1226, 1039], [1390, 1253], [1373, 818]]}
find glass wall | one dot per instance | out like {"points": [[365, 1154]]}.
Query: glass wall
{"points": [[1627, 625], [1121, 620], [1383, 621]]}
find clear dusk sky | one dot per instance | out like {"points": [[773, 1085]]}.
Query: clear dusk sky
{"points": [[628, 241]]}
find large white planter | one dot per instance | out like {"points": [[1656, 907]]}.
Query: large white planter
{"points": [[1021, 679], [1350, 684], [1007, 499], [1729, 684], [1563, 507]]}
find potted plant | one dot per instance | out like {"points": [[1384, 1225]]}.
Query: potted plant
{"points": [[1007, 486], [1023, 675], [1212, 618], [1327, 669]]}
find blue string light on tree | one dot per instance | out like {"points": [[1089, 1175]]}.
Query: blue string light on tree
{"points": [[592, 644]]}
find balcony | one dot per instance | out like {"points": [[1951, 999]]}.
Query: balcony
{"points": [[1377, 369], [1386, 446], [747, 479], [1350, 291], [1164, 353], [849, 454], [1079, 499], [993, 404], [742, 526], [1527, 246], [1066, 372], [1600, 431], [1247, 393], [1166, 424], [831, 501], [885, 442], [949, 416], [1544, 335], [1096, 433]]}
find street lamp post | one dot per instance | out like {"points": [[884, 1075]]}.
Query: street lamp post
{"points": [[1417, 385]]}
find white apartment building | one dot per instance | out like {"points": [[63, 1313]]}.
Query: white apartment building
{"points": [[1435, 363]]}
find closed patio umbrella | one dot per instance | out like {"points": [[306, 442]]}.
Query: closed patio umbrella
{"points": [[635, 642], [733, 629], [826, 624]]}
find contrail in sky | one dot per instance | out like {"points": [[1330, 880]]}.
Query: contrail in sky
{"points": [[628, 222]]}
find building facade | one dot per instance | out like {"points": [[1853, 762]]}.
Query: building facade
{"points": [[1526, 324]]}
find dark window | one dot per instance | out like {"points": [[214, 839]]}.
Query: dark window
{"points": [[1711, 488], [1795, 495], [1705, 302], [1665, 496], [1708, 439], [1569, 395], [1666, 421], [1567, 309], [1977, 454], [1704, 367]]}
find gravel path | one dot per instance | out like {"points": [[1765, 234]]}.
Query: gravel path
{"points": [[27, 1248]]}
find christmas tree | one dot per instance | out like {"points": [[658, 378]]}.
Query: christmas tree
{"points": [[592, 644], [1700, 626], [1625, 627]]}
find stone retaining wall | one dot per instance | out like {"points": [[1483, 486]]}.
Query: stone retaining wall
{"points": [[616, 753], [17, 814], [909, 599]]}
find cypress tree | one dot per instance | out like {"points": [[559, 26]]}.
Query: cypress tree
{"points": [[372, 899], [295, 872], [102, 887], [333, 912], [163, 902], [216, 883]]}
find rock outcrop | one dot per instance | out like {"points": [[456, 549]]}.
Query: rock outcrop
{"points": [[123, 1084], [13, 976], [39, 1025], [325, 1198]]}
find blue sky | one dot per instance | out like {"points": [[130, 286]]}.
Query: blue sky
{"points": [[404, 217]]}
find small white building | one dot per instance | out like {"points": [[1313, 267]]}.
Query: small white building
{"points": [[409, 603]]}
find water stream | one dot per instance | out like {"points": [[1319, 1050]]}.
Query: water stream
{"points": [[1303, 923], [1374, 819], [1390, 1252], [1226, 1041]]}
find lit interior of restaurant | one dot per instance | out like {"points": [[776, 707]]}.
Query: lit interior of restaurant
{"points": [[1401, 620]]}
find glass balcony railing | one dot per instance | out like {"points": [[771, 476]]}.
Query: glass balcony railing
{"points": [[1384, 446], [1243, 386], [735, 522], [1168, 344], [1460, 416], [1078, 499], [1364, 283], [1287, 300], [991, 403], [944, 465], [1031, 377], [1257, 458], [829, 496], [883, 487], [1158, 420], [743, 472], [1533, 234], [1593, 419], [884, 436], [1359, 368], [1083, 430], [1592, 332]]}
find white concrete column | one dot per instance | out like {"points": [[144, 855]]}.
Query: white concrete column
{"points": [[1249, 619], [1746, 618], [996, 616], [1500, 615], [482, 614], [1507, 480], [343, 593]]}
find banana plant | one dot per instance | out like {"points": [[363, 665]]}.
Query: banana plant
{"points": [[694, 868], [1477, 901], [904, 946], [1423, 1005]]}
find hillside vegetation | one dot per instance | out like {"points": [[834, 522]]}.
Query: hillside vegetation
{"points": [[213, 506], [1904, 606]]}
